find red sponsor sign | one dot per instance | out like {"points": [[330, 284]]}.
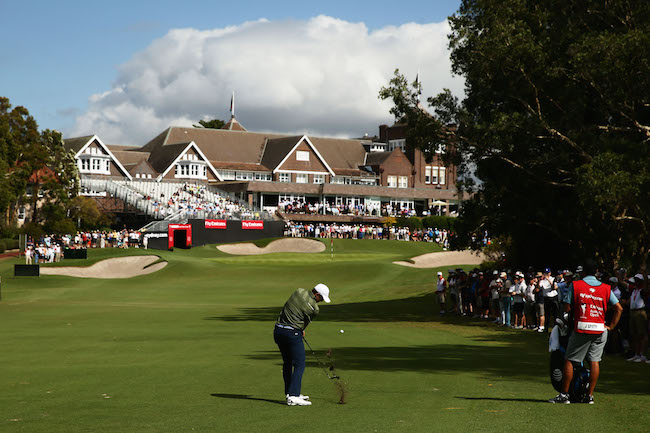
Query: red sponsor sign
{"points": [[215, 224], [170, 231], [252, 225]]}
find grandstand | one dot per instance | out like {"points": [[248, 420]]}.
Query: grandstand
{"points": [[162, 203]]}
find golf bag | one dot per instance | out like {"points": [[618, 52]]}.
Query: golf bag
{"points": [[558, 341]]}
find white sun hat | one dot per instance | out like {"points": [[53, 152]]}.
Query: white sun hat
{"points": [[324, 291]]}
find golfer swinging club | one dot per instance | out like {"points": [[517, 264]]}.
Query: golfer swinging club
{"points": [[297, 313]]}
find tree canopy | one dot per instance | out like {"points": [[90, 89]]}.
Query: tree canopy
{"points": [[211, 124], [555, 124], [39, 160]]}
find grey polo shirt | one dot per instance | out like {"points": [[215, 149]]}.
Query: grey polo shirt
{"points": [[299, 310]]}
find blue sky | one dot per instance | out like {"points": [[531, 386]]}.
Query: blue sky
{"points": [[57, 55]]}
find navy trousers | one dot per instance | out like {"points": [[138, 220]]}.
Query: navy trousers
{"points": [[291, 346]]}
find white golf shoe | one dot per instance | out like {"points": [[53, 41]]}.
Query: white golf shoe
{"points": [[304, 397], [297, 401]]}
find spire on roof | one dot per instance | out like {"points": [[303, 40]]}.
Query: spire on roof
{"points": [[233, 124]]}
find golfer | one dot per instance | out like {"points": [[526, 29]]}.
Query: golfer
{"points": [[297, 313]]}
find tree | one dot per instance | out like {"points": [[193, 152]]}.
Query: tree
{"points": [[556, 124], [211, 124], [36, 159]]}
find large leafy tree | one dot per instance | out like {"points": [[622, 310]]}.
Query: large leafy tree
{"points": [[37, 159], [555, 123]]}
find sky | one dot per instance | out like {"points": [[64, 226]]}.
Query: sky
{"points": [[127, 70]]}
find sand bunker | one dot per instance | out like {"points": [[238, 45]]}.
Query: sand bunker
{"points": [[290, 245], [445, 258], [122, 267]]}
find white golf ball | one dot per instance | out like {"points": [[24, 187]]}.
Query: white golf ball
{"points": [[342, 331]]}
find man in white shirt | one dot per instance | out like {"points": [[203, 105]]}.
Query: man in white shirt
{"points": [[551, 304], [441, 290], [638, 322]]}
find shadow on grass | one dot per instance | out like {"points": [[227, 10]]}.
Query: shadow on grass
{"points": [[517, 355], [494, 363], [248, 397], [529, 400]]}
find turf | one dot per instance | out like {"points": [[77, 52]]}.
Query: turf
{"points": [[190, 348]]}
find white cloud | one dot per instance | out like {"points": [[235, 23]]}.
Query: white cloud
{"points": [[320, 76]]}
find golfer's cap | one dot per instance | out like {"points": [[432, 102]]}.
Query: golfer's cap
{"points": [[547, 270], [613, 279], [539, 275], [630, 280], [503, 275], [579, 269], [440, 274], [495, 273], [639, 277], [324, 291]]}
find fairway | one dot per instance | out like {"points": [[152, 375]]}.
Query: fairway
{"points": [[190, 349]]}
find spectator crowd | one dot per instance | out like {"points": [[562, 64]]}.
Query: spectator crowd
{"points": [[366, 231], [533, 300], [49, 248], [297, 206]]}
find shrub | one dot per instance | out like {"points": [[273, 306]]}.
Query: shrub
{"points": [[2, 246], [441, 222], [413, 223], [10, 244]]}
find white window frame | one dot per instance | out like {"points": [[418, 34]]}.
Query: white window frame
{"points": [[403, 182], [302, 155], [302, 178], [319, 179], [284, 177], [434, 175], [442, 178], [427, 174], [391, 181]]}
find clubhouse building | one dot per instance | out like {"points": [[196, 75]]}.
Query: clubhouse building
{"points": [[265, 170]]}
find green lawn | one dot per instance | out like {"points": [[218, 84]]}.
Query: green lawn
{"points": [[190, 348]]}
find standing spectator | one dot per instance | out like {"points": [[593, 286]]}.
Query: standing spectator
{"points": [[638, 319], [529, 306], [518, 306], [505, 291], [551, 304], [441, 291], [539, 301]]}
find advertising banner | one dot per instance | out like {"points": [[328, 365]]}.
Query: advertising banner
{"points": [[215, 224], [252, 225]]}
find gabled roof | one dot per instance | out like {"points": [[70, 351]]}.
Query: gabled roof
{"points": [[184, 147], [76, 143], [216, 144], [233, 125], [277, 149], [305, 139], [133, 168], [340, 153], [129, 157], [377, 158], [162, 157]]}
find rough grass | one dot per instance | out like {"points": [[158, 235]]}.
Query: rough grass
{"points": [[190, 348]]}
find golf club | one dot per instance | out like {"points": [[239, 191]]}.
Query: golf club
{"points": [[333, 376]]}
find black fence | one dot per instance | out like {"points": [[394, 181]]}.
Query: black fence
{"points": [[221, 231], [27, 271], [71, 253]]}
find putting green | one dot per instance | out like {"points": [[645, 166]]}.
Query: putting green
{"points": [[190, 348]]}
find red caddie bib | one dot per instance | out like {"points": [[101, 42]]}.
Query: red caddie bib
{"points": [[590, 306]]}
